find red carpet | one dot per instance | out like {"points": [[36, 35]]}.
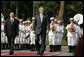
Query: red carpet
{"points": [[25, 53]]}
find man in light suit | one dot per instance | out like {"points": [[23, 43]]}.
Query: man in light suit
{"points": [[41, 27]]}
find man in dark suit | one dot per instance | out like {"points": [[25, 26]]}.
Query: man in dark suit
{"points": [[41, 27], [11, 29]]}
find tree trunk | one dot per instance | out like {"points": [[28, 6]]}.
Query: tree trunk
{"points": [[16, 8], [61, 11]]}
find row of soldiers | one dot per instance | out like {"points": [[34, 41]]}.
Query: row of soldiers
{"points": [[26, 35], [56, 34]]}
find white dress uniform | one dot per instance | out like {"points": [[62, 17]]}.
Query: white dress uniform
{"points": [[60, 31], [22, 34], [32, 38], [17, 39], [27, 28], [77, 34], [52, 36], [71, 36], [32, 35], [3, 36], [56, 42]]}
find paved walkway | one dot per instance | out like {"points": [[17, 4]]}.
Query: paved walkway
{"points": [[64, 52]]}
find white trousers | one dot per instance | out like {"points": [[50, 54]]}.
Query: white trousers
{"points": [[71, 41]]}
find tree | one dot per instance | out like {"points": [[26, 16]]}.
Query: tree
{"points": [[16, 8], [61, 11]]}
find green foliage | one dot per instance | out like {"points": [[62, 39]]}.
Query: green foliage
{"points": [[51, 7], [24, 8], [64, 42], [28, 19]]}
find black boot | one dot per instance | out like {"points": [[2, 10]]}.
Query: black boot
{"points": [[55, 48], [59, 47], [34, 47], [21, 46], [69, 48], [3, 46], [73, 47], [31, 47], [50, 48], [18, 46]]}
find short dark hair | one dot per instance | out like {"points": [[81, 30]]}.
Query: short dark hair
{"points": [[12, 12]]}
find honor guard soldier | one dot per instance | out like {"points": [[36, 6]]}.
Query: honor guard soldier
{"points": [[4, 39], [56, 42], [20, 32], [59, 33], [27, 27], [71, 35], [22, 37], [32, 35], [77, 32], [24, 30], [32, 40], [52, 35], [56, 22], [17, 39]]}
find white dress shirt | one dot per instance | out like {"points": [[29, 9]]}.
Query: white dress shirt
{"points": [[41, 17], [12, 19]]}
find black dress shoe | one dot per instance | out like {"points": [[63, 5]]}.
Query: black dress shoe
{"points": [[38, 52], [11, 53], [41, 54]]}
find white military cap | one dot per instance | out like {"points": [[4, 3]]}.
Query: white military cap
{"points": [[52, 18], [20, 19], [59, 21], [33, 18], [55, 19], [2, 20], [24, 22], [71, 19]]}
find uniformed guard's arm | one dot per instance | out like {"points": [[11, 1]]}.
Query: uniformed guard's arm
{"points": [[67, 28], [63, 29]]}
